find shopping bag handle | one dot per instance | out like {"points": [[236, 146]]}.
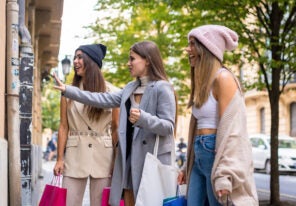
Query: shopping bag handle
{"points": [[178, 191], [156, 146], [155, 150], [56, 180]]}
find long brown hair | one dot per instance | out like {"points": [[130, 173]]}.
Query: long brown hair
{"points": [[149, 51], [93, 82], [156, 71], [202, 76]]}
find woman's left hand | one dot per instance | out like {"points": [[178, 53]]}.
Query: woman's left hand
{"points": [[181, 178]]}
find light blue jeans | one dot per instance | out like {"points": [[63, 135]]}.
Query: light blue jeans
{"points": [[200, 191]]}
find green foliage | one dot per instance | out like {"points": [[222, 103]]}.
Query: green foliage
{"points": [[266, 30], [50, 102], [50, 106]]}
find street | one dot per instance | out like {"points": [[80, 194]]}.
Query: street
{"points": [[287, 186]]}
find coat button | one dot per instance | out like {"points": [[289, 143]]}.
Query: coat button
{"points": [[144, 142], [89, 145]]}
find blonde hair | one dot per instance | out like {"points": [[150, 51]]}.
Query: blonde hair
{"points": [[202, 75]]}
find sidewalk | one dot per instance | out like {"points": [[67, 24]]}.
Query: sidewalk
{"points": [[47, 176], [263, 196]]}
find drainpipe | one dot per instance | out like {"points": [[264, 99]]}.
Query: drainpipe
{"points": [[25, 106], [12, 103]]}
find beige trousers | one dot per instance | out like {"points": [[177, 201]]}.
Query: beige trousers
{"points": [[76, 188]]}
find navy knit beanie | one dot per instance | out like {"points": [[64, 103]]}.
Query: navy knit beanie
{"points": [[96, 52]]}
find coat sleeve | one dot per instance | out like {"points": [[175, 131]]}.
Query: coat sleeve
{"points": [[95, 99], [163, 122]]}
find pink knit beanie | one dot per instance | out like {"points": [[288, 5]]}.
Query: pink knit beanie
{"points": [[215, 38]]}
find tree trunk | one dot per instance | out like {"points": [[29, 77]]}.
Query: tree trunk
{"points": [[274, 94], [274, 174]]}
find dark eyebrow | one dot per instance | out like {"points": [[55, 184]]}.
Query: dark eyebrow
{"points": [[78, 55]]}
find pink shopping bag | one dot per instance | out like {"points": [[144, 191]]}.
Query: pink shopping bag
{"points": [[105, 197], [54, 194]]}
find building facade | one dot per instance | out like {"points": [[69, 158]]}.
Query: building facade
{"points": [[30, 38], [259, 114]]}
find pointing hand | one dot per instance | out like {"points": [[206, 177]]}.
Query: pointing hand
{"points": [[59, 85]]}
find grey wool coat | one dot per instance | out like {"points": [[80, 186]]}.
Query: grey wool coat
{"points": [[158, 111]]}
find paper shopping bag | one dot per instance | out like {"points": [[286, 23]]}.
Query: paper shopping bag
{"points": [[105, 197], [54, 194]]}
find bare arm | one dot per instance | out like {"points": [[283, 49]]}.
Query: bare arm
{"points": [[114, 126], [62, 137], [225, 87]]}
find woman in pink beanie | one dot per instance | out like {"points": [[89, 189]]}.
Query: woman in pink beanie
{"points": [[219, 165]]}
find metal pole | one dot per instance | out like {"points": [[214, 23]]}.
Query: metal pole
{"points": [[26, 90], [25, 105], [13, 129]]}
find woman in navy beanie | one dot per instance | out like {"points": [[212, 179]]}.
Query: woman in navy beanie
{"points": [[147, 109], [87, 135], [219, 161]]}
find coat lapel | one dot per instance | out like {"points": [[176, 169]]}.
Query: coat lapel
{"points": [[144, 101], [78, 105], [130, 90], [147, 95]]}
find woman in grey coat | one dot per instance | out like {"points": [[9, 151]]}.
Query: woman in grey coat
{"points": [[147, 108]]}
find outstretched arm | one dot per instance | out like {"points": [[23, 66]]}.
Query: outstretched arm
{"points": [[95, 99]]}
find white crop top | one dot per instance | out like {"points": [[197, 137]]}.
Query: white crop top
{"points": [[207, 114]]}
